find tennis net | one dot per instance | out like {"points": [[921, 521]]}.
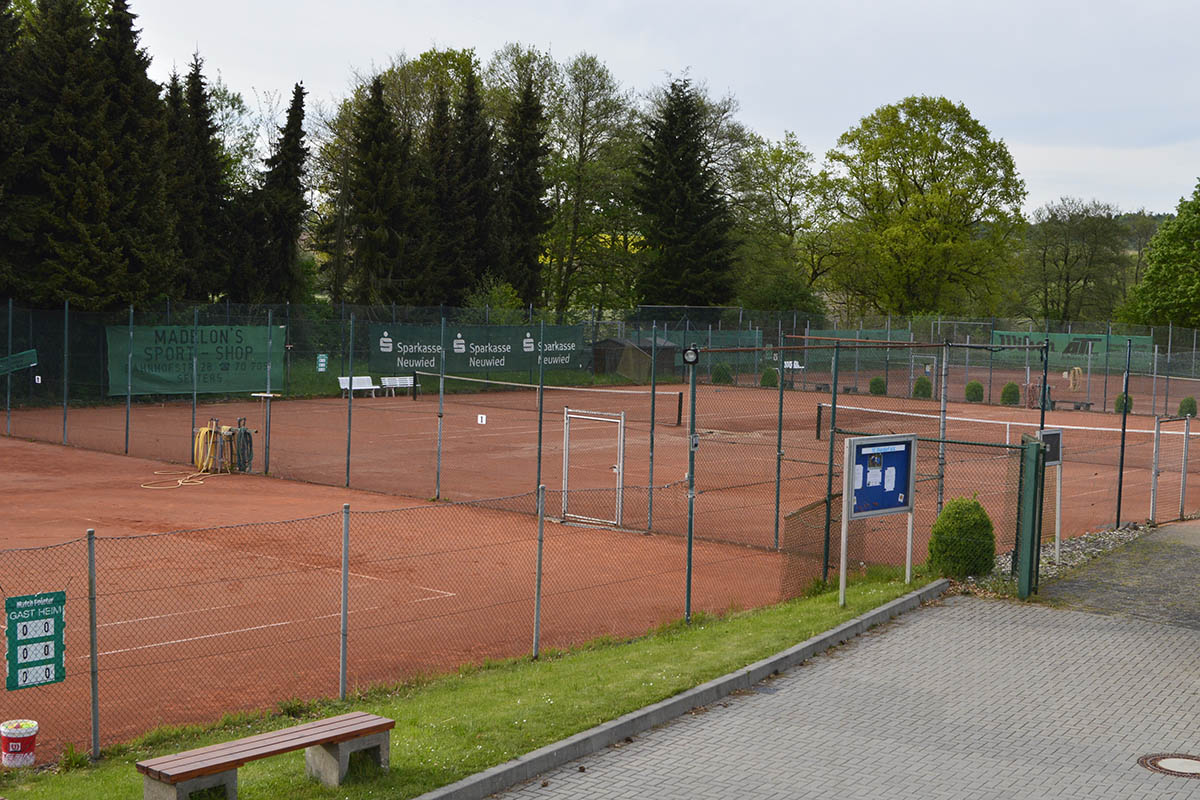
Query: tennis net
{"points": [[1080, 443], [638, 404]]}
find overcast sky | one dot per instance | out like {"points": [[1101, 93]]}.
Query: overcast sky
{"points": [[1095, 99]]}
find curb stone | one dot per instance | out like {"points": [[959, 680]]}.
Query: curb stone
{"points": [[506, 775]]}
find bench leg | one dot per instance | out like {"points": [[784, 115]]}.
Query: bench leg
{"points": [[153, 789], [328, 762]]}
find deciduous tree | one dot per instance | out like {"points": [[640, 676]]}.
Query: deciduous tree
{"points": [[1170, 290], [930, 203]]}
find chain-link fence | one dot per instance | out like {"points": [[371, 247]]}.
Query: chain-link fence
{"points": [[194, 624]]}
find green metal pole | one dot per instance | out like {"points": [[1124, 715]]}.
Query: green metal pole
{"points": [[779, 431], [195, 374], [829, 471], [437, 474], [66, 363], [129, 380], [687, 606], [267, 399], [1045, 380], [350, 399], [541, 398], [653, 414], [8, 390], [1124, 423]]}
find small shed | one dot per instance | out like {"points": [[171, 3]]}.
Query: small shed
{"points": [[631, 358]]}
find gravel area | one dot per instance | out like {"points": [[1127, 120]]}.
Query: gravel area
{"points": [[1073, 552]]}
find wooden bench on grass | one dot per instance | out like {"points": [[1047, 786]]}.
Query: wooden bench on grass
{"points": [[405, 382], [327, 746], [357, 383]]}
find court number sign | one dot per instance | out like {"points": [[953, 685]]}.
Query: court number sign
{"points": [[34, 639]]}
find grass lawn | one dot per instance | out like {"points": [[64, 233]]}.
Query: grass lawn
{"points": [[451, 726]]}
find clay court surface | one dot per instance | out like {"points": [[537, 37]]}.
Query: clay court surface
{"points": [[197, 623]]}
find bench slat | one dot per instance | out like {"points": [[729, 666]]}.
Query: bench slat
{"points": [[229, 755], [329, 726]]}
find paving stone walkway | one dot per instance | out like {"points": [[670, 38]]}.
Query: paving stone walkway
{"points": [[965, 698]]}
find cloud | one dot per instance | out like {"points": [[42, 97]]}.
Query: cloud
{"points": [[1150, 177]]}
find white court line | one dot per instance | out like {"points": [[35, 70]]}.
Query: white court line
{"points": [[440, 593], [227, 633], [172, 614]]}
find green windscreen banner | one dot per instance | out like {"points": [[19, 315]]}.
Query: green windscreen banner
{"points": [[471, 349], [229, 358], [1074, 344], [21, 360]]}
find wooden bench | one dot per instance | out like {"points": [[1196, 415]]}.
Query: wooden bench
{"points": [[1082, 405], [406, 382], [358, 383], [327, 746]]}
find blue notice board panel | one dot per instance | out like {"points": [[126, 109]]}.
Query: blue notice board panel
{"points": [[881, 474]]}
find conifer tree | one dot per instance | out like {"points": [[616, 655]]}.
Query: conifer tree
{"points": [[375, 219], [10, 140], [477, 183], [686, 222], [284, 205], [57, 199], [525, 215], [137, 180], [203, 194], [446, 279]]}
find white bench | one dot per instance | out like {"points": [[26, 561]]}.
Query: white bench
{"points": [[358, 383], [405, 382]]}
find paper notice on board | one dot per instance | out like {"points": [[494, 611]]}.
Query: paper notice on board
{"points": [[874, 477], [889, 479], [858, 470]]}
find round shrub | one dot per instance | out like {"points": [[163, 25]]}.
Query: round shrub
{"points": [[962, 541], [974, 392], [770, 378], [721, 373], [1123, 403], [1010, 395], [878, 385], [1187, 407], [922, 387]]}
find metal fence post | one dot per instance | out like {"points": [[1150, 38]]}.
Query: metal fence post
{"points": [[782, 354], [1187, 435], [941, 473], [1167, 386], [66, 381], [541, 398], [1124, 425], [1154, 471], [267, 399], [537, 586], [1154, 384], [691, 519], [93, 646], [345, 631], [437, 473], [653, 414], [7, 401], [829, 468], [129, 380], [350, 399]]}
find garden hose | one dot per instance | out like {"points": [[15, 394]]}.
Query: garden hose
{"points": [[206, 449], [243, 447]]}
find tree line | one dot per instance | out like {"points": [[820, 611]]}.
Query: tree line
{"points": [[526, 181]]}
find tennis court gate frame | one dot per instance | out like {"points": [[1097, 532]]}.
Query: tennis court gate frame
{"points": [[1162, 463], [617, 418]]}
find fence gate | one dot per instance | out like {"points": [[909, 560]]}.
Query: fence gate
{"points": [[590, 456]]}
